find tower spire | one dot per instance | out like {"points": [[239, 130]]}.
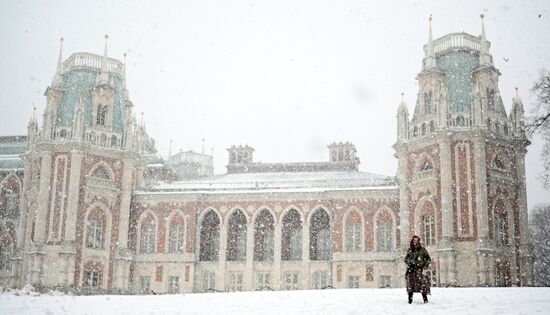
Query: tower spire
{"points": [[57, 78], [104, 75], [430, 52], [484, 57], [60, 56]]}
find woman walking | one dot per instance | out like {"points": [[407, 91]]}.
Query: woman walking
{"points": [[417, 261]]}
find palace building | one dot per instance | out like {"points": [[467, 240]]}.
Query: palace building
{"points": [[86, 202]]}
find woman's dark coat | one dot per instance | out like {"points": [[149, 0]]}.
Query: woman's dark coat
{"points": [[417, 260]]}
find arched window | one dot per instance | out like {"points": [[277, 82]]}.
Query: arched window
{"points": [[497, 127], [460, 121], [291, 247], [63, 134], [101, 115], [426, 166], [103, 139], [423, 129], [415, 131], [432, 126], [114, 141], [501, 225], [489, 124], [505, 128], [499, 164], [210, 237], [236, 237], [264, 236], [176, 235], [384, 232], [6, 252], [320, 241], [353, 232], [95, 227], [428, 102], [429, 230], [148, 235]]}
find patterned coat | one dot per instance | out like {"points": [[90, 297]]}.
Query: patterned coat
{"points": [[417, 261]]}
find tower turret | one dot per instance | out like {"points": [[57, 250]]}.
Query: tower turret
{"points": [[402, 120]]}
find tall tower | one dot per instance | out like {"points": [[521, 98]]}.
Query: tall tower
{"points": [[461, 168], [80, 169]]}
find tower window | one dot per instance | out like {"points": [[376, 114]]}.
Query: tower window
{"points": [[428, 102], [101, 115]]}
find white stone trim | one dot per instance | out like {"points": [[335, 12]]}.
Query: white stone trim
{"points": [[458, 190]]}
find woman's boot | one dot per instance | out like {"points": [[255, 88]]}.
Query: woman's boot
{"points": [[425, 297], [410, 297]]}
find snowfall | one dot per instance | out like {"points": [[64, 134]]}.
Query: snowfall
{"points": [[331, 301]]}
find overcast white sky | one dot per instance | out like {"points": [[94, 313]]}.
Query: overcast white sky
{"points": [[286, 77]]}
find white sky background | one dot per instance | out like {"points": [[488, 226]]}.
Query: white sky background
{"points": [[286, 77]]}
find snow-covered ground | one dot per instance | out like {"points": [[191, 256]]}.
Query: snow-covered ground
{"points": [[350, 301]]}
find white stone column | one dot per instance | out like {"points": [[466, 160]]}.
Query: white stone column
{"points": [[23, 204], [446, 191], [276, 269], [482, 209], [248, 276], [220, 281], [73, 196], [481, 193], [445, 246], [526, 257], [125, 195], [305, 256], [404, 223], [43, 197]]}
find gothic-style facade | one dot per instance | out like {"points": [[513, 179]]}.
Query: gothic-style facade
{"points": [[87, 203]]}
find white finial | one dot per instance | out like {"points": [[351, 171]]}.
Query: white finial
{"points": [[104, 75], [202, 151], [430, 52], [60, 57], [517, 93], [484, 57], [57, 78], [33, 112]]}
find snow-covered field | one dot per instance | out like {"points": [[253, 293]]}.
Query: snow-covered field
{"points": [[350, 301]]}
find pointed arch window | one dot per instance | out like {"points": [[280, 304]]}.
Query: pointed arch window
{"points": [[426, 166], [94, 238], [353, 232], [101, 115], [499, 164], [384, 232], [500, 229], [176, 235], [429, 230], [500, 224], [428, 102], [209, 237], [236, 237], [291, 247], [432, 126], [460, 121], [148, 236], [320, 236], [264, 236]]}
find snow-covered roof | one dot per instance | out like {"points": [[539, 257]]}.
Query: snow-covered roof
{"points": [[281, 181]]}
